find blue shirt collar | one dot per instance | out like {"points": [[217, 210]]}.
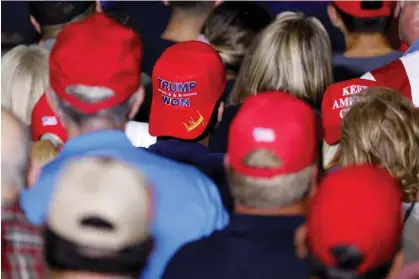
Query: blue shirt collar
{"points": [[414, 47], [109, 139]]}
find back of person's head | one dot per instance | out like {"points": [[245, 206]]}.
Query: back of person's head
{"points": [[231, 28], [15, 146], [382, 129], [409, 21], [99, 220], [51, 16], [292, 54], [337, 101], [96, 79], [24, 79], [362, 16], [188, 84], [272, 151], [354, 225]]}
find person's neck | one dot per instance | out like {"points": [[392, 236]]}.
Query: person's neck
{"points": [[182, 27], [367, 45], [73, 131], [204, 142], [295, 209]]}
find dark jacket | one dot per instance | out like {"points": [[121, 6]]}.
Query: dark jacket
{"points": [[250, 247], [196, 154]]}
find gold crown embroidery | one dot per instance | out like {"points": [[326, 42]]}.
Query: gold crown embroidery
{"points": [[194, 124]]}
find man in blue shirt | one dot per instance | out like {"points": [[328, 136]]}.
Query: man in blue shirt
{"points": [[95, 88]]}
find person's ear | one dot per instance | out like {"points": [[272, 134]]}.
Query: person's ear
{"points": [[226, 161], [300, 241], [33, 173], [334, 17], [35, 24], [98, 6], [138, 101], [218, 2], [314, 181], [220, 112], [397, 265]]}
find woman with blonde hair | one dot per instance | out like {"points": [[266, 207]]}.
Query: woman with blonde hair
{"points": [[383, 129], [292, 54], [24, 79]]}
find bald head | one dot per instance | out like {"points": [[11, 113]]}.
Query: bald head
{"points": [[14, 151], [409, 21]]}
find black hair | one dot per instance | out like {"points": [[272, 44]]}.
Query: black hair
{"points": [[64, 255], [58, 12], [366, 25], [348, 259], [234, 25]]}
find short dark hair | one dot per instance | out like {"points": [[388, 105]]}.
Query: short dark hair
{"points": [[192, 6], [232, 27], [58, 12], [366, 25]]}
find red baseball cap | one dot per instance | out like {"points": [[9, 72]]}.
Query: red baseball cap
{"points": [[358, 206], [98, 52], [44, 121], [359, 8], [337, 100], [278, 122], [188, 80]]}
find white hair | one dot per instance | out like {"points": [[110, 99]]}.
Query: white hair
{"points": [[25, 74]]}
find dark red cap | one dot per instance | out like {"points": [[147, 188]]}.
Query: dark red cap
{"points": [[355, 8]]}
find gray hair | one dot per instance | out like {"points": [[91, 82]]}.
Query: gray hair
{"points": [[15, 147], [268, 193], [117, 115]]}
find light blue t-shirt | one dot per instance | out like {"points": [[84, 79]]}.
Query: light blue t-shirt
{"points": [[187, 204]]}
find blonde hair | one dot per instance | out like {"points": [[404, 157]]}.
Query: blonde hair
{"points": [[275, 192], [24, 78], [330, 154], [293, 54], [44, 151], [383, 129]]}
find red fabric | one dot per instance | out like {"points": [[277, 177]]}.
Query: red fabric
{"points": [[354, 9], [44, 121], [22, 246], [358, 206], [96, 52], [278, 122], [188, 80], [337, 100], [394, 76]]}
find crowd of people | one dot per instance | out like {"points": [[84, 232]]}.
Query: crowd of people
{"points": [[235, 144]]}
